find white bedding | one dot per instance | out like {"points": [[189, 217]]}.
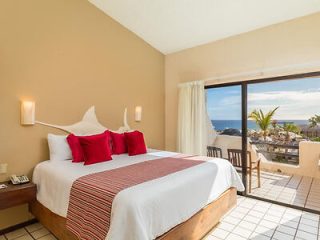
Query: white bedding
{"points": [[147, 210]]}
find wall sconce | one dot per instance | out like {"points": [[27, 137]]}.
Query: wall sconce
{"points": [[3, 175], [27, 113], [3, 168], [138, 114]]}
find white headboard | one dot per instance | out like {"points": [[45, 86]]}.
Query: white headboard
{"points": [[89, 124]]}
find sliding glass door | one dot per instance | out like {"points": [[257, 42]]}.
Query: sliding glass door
{"points": [[284, 139], [273, 127]]}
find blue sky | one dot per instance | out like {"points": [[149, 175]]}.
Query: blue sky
{"points": [[297, 99]]}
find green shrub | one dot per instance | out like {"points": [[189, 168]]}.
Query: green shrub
{"points": [[316, 139]]}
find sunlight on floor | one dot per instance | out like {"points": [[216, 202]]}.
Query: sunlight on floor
{"points": [[253, 219], [291, 189]]}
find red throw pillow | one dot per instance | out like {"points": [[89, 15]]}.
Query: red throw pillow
{"points": [[119, 145], [96, 148], [135, 143], [76, 149], [90, 149]]}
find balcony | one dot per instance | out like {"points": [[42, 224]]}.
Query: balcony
{"points": [[296, 182]]}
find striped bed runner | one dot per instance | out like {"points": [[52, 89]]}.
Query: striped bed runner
{"points": [[91, 196]]}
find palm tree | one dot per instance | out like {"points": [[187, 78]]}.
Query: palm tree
{"points": [[314, 121], [263, 120], [290, 127]]}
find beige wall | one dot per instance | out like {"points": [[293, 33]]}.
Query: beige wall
{"points": [[309, 157], [67, 56], [292, 42]]}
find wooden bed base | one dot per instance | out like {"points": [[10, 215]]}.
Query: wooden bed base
{"points": [[195, 228]]}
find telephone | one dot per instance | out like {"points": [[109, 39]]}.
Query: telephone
{"points": [[19, 179]]}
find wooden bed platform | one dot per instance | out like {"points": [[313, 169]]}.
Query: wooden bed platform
{"points": [[195, 228]]}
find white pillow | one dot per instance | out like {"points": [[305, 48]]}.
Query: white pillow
{"points": [[59, 147]]}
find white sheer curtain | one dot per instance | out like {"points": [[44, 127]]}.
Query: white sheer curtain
{"points": [[193, 121]]}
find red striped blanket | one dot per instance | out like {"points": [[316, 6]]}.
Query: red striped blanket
{"points": [[91, 196]]}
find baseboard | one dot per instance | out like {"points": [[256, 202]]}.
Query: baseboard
{"points": [[16, 227]]}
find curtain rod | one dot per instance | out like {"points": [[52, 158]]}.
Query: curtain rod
{"points": [[251, 74]]}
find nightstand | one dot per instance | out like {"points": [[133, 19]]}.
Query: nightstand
{"points": [[15, 195]]}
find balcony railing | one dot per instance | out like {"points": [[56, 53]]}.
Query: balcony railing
{"points": [[308, 155]]}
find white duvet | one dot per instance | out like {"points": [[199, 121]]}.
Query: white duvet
{"points": [[147, 210]]}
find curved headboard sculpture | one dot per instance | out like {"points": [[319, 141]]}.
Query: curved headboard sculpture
{"points": [[89, 124]]}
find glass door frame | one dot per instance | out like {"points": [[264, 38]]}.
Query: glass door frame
{"points": [[244, 147], [244, 113]]}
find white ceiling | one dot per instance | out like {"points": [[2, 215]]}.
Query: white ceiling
{"points": [[173, 25]]}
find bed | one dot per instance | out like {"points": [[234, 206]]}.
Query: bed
{"points": [[183, 205]]}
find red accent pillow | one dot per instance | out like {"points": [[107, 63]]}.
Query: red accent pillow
{"points": [[76, 149], [119, 145], [135, 143], [96, 148], [90, 149]]}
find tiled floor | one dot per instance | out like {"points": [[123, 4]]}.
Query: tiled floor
{"points": [[297, 190], [258, 220], [250, 219], [31, 232]]}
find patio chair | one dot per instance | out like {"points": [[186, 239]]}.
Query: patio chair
{"points": [[214, 152], [234, 156]]}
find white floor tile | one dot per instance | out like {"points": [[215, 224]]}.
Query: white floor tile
{"points": [[247, 225], [226, 226], [236, 214], [268, 224], [264, 231], [252, 219], [220, 233], [235, 237], [15, 234], [308, 229], [51, 237], [256, 236], [242, 232], [292, 224], [261, 209], [232, 220], [287, 230], [282, 236], [40, 233], [306, 236], [309, 222], [34, 227], [24, 237], [276, 213], [291, 217], [272, 218], [243, 210], [310, 216], [210, 237], [255, 213]]}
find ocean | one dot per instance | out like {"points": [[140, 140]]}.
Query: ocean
{"points": [[220, 125]]}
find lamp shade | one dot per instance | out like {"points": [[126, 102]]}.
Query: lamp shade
{"points": [[27, 113], [138, 113]]}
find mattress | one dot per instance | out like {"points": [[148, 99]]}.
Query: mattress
{"points": [[147, 210]]}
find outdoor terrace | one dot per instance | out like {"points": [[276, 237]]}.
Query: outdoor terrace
{"points": [[301, 191], [298, 185]]}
